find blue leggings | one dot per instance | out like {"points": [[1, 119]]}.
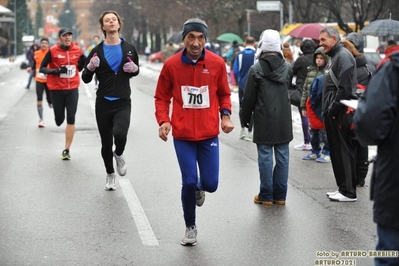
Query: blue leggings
{"points": [[205, 154]]}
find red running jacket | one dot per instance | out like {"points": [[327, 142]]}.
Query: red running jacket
{"points": [[179, 73]]}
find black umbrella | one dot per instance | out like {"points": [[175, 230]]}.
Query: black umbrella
{"points": [[382, 27], [176, 37]]}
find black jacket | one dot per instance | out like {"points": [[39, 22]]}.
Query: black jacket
{"points": [[377, 123], [303, 62], [364, 69], [343, 65], [111, 83], [266, 95]]}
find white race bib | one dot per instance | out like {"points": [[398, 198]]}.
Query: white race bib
{"points": [[71, 72], [194, 97], [40, 74]]}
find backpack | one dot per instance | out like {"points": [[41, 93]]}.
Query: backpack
{"points": [[315, 95], [360, 89]]}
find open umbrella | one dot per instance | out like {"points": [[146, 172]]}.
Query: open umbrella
{"points": [[382, 27], [176, 37], [307, 30], [229, 37]]}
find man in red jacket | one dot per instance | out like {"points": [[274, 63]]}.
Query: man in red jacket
{"points": [[199, 96], [61, 64]]}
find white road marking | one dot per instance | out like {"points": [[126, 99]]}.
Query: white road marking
{"points": [[143, 226]]}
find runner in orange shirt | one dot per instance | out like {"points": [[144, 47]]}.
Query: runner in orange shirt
{"points": [[41, 85]]}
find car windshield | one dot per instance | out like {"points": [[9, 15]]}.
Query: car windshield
{"points": [[373, 56]]}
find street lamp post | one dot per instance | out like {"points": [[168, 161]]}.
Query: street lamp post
{"points": [[15, 29], [249, 21]]}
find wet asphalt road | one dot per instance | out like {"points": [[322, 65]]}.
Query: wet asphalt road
{"points": [[56, 212]]}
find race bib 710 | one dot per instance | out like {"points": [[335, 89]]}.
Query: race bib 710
{"points": [[194, 97]]}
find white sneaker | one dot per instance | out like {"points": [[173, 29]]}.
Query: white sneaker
{"points": [[249, 136], [120, 164], [303, 147], [41, 124], [243, 134], [332, 193], [341, 198], [200, 197], [110, 182], [190, 237]]}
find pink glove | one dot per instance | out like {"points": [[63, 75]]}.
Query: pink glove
{"points": [[130, 67], [94, 63]]}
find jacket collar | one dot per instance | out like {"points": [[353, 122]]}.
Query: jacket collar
{"points": [[186, 60]]}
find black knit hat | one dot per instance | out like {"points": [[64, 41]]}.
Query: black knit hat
{"points": [[195, 24], [44, 39]]}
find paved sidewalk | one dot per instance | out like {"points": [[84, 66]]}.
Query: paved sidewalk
{"points": [[6, 66]]}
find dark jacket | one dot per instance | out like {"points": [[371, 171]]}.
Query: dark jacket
{"points": [[364, 69], [110, 83], [266, 95], [377, 123], [303, 62], [342, 63]]}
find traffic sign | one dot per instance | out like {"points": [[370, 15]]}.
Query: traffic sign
{"points": [[268, 5]]}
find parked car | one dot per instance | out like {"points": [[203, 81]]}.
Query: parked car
{"points": [[156, 57], [372, 55]]}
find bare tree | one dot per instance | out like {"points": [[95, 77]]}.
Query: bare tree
{"points": [[357, 11]]}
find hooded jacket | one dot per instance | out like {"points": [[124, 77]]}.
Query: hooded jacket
{"points": [[178, 74], [303, 62], [377, 123], [313, 72], [266, 95]]}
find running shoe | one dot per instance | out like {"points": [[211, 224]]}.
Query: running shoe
{"points": [[249, 136], [65, 155], [324, 158], [243, 134], [120, 164], [41, 124], [341, 198], [314, 155], [110, 182], [331, 193], [303, 147], [190, 237], [200, 196]]}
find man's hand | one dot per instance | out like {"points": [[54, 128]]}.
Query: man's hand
{"points": [[226, 124], [164, 130], [304, 113], [61, 70], [130, 66], [94, 63]]}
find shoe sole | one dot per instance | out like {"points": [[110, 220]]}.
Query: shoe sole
{"points": [[343, 200], [110, 189], [188, 244], [65, 158]]}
